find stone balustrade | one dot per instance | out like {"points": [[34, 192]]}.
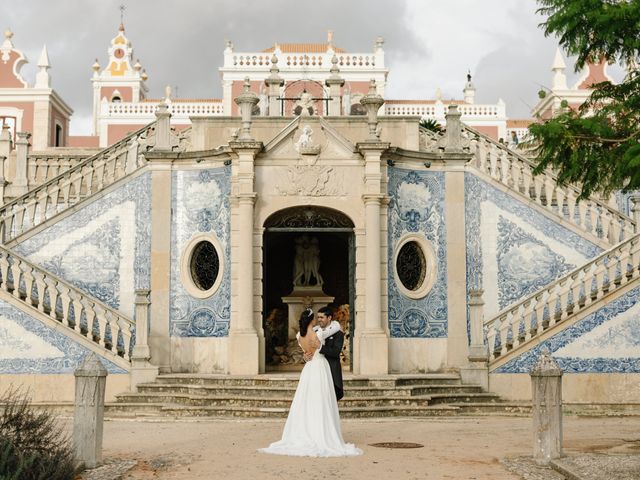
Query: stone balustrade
{"points": [[262, 60], [591, 215], [570, 294], [42, 167], [86, 178], [438, 110], [66, 304], [128, 110]]}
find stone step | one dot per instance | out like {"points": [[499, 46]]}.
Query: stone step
{"points": [[275, 402], [522, 409], [291, 379], [118, 410], [288, 391], [457, 398]]}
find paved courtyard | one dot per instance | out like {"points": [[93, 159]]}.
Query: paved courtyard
{"points": [[454, 448]]}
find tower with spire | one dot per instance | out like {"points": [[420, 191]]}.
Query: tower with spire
{"points": [[121, 80]]}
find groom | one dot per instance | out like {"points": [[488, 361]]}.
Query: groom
{"points": [[332, 348]]}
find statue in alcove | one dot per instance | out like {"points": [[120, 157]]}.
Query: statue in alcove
{"points": [[306, 263]]}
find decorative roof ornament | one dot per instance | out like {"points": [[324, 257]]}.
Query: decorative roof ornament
{"points": [[7, 45], [43, 80], [559, 81], [372, 101]]}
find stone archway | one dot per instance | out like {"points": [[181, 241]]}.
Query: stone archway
{"points": [[288, 233]]}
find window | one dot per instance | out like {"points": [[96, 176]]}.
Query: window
{"points": [[415, 266], [202, 265], [58, 139]]}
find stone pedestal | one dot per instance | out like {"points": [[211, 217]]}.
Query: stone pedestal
{"points": [[299, 299], [546, 388], [91, 379]]}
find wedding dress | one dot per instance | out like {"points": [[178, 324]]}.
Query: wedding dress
{"points": [[313, 424]]}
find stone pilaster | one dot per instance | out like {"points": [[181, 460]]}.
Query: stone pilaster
{"points": [[476, 372], [246, 339], [163, 129], [372, 339], [141, 369]]}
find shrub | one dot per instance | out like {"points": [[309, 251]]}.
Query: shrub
{"points": [[32, 445]]}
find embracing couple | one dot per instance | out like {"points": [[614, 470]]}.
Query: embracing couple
{"points": [[313, 424]]}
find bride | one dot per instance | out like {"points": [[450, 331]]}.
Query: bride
{"points": [[313, 424]]}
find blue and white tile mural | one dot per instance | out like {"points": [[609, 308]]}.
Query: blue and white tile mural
{"points": [[417, 206], [606, 341], [200, 202], [28, 346], [512, 250], [104, 248]]}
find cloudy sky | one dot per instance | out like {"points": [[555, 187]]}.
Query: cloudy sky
{"points": [[428, 43]]}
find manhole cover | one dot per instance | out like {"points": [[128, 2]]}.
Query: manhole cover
{"points": [[396, 445]]}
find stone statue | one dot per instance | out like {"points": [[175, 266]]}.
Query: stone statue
{"points": [[305, 139], [306, 262], [305, 102]]}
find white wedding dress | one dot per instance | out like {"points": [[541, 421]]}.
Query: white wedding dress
{"points": [[313, 424]]}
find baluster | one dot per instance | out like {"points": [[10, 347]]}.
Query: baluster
{"points": [[527, 311], [516, 167], [599, 276], [593, 215], [114, 328], [516, 321], [41, 287], [564, 289], [65, 188], [27, 275], [560, 195], [527, 176], [582, 214], [4, 269], [99, 168], [605, 220], [125, 329], [77, 310], [65, 300], [624, 264], [505, 167], [615, 230], [491, 341], [537, 187], [100, 317], [16, 272], [614, 269], [90, 315], [571, 205], [539, 309], [53, 296], [493, 159], [504, 335], [549, 187], [552, 303], [19, 219]]}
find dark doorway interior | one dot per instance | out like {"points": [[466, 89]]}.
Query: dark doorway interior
{"points": [[336, 268]]}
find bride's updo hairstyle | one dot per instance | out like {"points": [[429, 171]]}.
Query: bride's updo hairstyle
{"points": [[305, 320]]}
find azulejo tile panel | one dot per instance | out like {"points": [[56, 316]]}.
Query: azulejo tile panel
{"points": [[200, 201], [512, 250], [417, 206], [104, 248], [606, 341], [29, 346]]}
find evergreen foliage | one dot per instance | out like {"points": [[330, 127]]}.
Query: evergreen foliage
{"points": [[32, 445], [596, 146]]}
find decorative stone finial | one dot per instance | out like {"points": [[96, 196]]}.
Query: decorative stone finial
{"points": [[96, 66], [137, 67], [246, 101], [144, 75], [372, 102], [330, 37], [559, 81], [8, 34], [379, 44], [43, 80], [546, 366]]}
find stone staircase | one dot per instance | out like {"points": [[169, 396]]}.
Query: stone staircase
{"points": [[269, 396]]}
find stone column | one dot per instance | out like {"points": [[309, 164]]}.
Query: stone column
{"points": [[22, 151], [273, 83], [163, 129], [335, 83], [476, 372], [91, 379], [246, 348], [546, 388], [141, 369]]}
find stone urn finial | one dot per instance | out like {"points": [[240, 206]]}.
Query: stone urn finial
{"points": [[246, 101], [372, 102]]}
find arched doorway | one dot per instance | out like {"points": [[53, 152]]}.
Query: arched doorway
{"points": [[308, 260]]}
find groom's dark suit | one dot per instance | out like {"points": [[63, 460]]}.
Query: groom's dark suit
{"points": [[331, 350]]}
